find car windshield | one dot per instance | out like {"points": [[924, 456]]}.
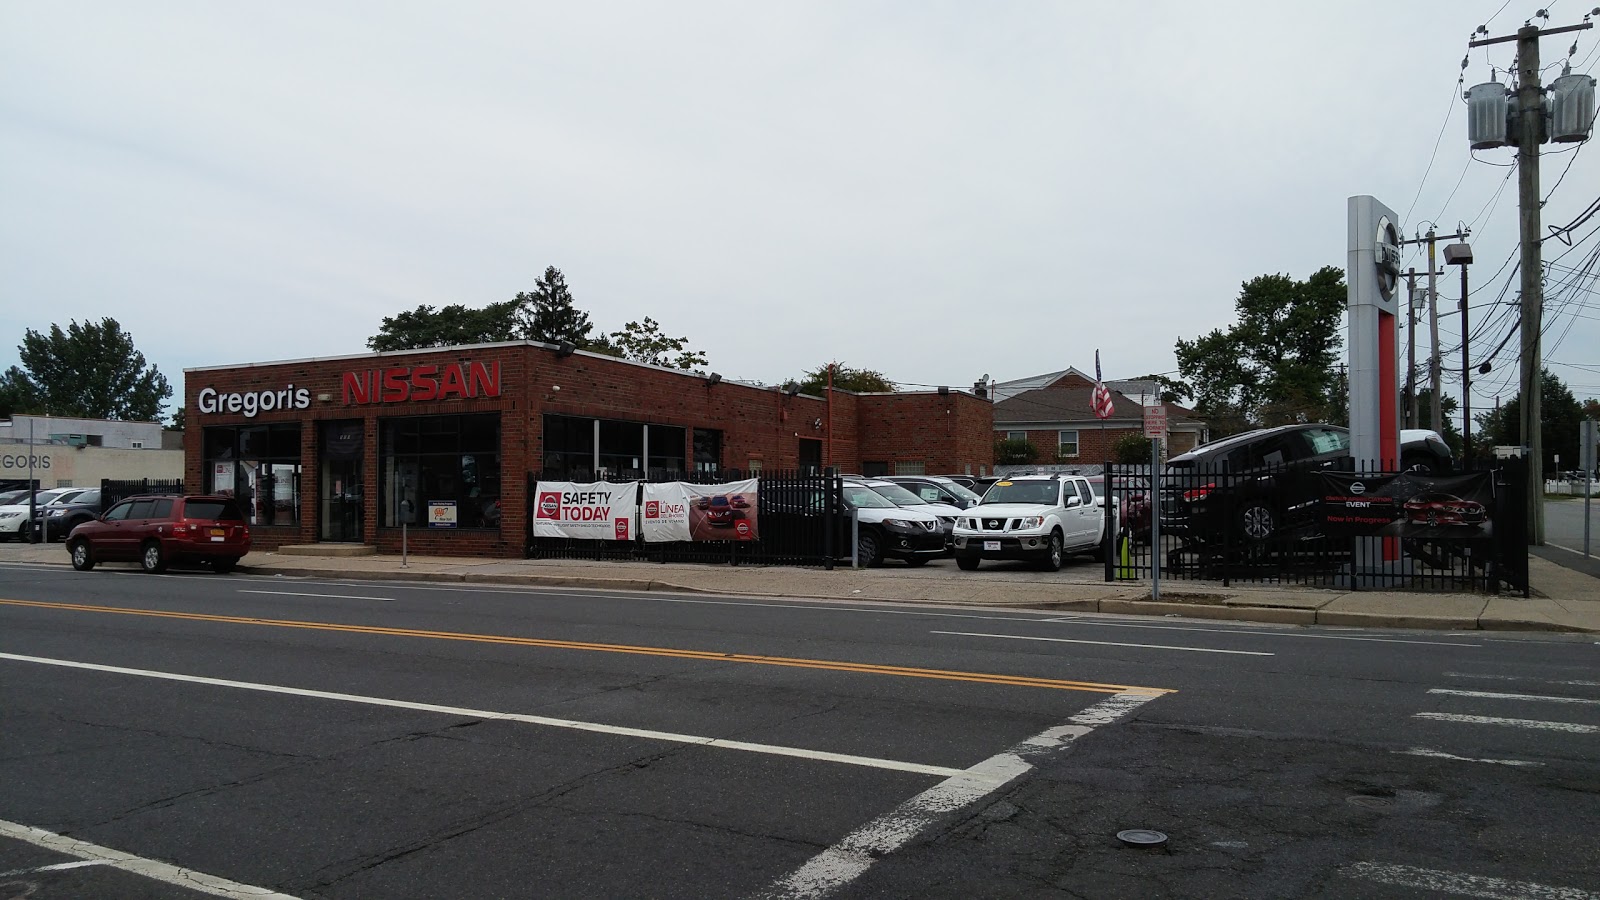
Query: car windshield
{"points": [[10, 497], [960, 490], [863, 497], [898, 495], [1022, 492], [68, 497]]}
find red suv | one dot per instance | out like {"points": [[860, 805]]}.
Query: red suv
{"points": [[156, 531]]}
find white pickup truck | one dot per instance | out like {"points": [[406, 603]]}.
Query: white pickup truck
{"points": [[1037, 517]]}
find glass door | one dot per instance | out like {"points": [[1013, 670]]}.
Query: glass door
{"points": [[339, 477]]}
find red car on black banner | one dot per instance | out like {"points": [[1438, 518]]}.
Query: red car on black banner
{"points": [[1444, 509]]}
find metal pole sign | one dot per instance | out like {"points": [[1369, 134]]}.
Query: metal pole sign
{"points": [[1155, 423], [1153, 503], [1587, 435]]}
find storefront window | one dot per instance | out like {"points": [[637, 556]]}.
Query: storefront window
{"points": [[707, 450], [568, 448], [259, 465], [667, 443], [427, 459], [627, 450]]}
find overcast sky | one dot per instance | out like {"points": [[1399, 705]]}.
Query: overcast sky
{"points": [[933, 190]]}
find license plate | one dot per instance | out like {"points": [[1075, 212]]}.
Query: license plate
{"points": [[219, 534], [991, 545]]}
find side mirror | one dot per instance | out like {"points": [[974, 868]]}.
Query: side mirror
{"points": [[1073, 501]]}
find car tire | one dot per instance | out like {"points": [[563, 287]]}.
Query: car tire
{"points": [[869, 550], [967, 563], [225, 565], [1055, 555], [152, 559], [1256, 522], [82, 556]]}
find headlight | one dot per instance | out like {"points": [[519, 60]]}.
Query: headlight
{"points": [[1030, 522], [9, 515], [56, 513], [897, 523]]}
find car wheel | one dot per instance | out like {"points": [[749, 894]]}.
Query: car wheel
{"points": [[1053, 557], [82, 559], [868, 551], [151, 559], [967, 563], [224, 566], [1255, 522]]}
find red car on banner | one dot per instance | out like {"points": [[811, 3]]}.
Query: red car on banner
{"points": [[1444, 509]]}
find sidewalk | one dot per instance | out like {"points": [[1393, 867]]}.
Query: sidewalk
{"points": [[1564, 599]]}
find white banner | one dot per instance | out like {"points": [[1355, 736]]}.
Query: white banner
{"points": [[677, 511], [599, 510]]}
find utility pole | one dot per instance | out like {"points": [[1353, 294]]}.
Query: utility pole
{"points": [[1527, 132], [1411, 348], [1434, 411]]}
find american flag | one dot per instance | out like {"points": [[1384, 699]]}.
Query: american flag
{"points": [[1101, 399]]}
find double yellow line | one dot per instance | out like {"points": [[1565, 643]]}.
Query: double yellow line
{"points": [[704, 655]]}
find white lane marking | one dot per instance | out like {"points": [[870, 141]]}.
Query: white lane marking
{"points": [[1023, 637], [1521, 678], [842, 863], [1439, 754], [326, 596], [138, 865], [58, 867], [1461, 884], [1066, 620], [1515, 723], [1488, 695], [698, 740]]}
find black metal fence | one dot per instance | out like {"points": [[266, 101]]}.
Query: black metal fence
{"points": [[1326, 527], [797, 524], [113, 491]]}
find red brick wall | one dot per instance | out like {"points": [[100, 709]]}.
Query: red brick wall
{"points": [[946, 433], [1094, 445]]}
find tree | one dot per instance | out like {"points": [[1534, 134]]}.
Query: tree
{"points": [[1015, 451], [1276, 364], [89, 371], [1562, 415], [1591, 409], [645, 343], [548, 314], [448, 326], [1447, 406], [862, 381], [1131, 449]]}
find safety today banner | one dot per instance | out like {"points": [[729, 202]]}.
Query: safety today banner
{"points": [[677, 511], [599, 510]]}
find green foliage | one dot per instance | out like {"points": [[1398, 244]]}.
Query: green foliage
{"points": [[1275, 365], [1560, 413], [845, 378], [1131, 449], [1591, 409], [1448, 405], [645, 343], [89, 371], [449, 326], [1014, 451], [548, 314]]}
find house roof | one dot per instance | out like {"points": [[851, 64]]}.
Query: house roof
{"points": [[1074, 405]]}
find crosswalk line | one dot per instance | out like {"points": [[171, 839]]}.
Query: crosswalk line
{"points": [[1570, 727], [1490, 695]]}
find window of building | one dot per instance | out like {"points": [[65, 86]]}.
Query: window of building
{"points": [[1016, 435], [96, 440], [138, 445], [422, 459], [1067, 443], [874, 469], [911, 468], [707, 450], [576, 448], [260, 466]]}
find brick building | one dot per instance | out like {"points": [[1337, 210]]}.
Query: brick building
{"points": [[348, 449], [1055, 413]]}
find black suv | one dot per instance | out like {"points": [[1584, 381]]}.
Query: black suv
{"points": [[1253, 486], [56, 520]]}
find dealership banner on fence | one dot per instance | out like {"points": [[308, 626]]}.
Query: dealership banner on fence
{"points": [[1439, 507], [678, 511], [599, 510]]}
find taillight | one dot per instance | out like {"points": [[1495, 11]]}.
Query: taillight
{"points": [[1200, 492]]}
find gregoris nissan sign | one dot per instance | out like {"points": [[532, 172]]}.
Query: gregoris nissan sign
{"points": [[252, 402]]}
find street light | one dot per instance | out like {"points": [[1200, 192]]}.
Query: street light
{"points": [[1460, 254]]}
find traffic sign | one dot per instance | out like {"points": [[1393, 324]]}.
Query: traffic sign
{"points": [[1155, 422]]}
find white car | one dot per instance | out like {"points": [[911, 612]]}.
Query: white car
{"points": [[884, 530], [1036, 517], [14, 522]]}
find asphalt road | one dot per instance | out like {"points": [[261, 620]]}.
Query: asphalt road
{"points": [[197, 735]]}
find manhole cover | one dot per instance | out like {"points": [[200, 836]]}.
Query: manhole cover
{"points": [[1141, 837]]}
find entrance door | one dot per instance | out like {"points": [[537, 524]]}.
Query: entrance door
{"points": [[339, 482]]}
